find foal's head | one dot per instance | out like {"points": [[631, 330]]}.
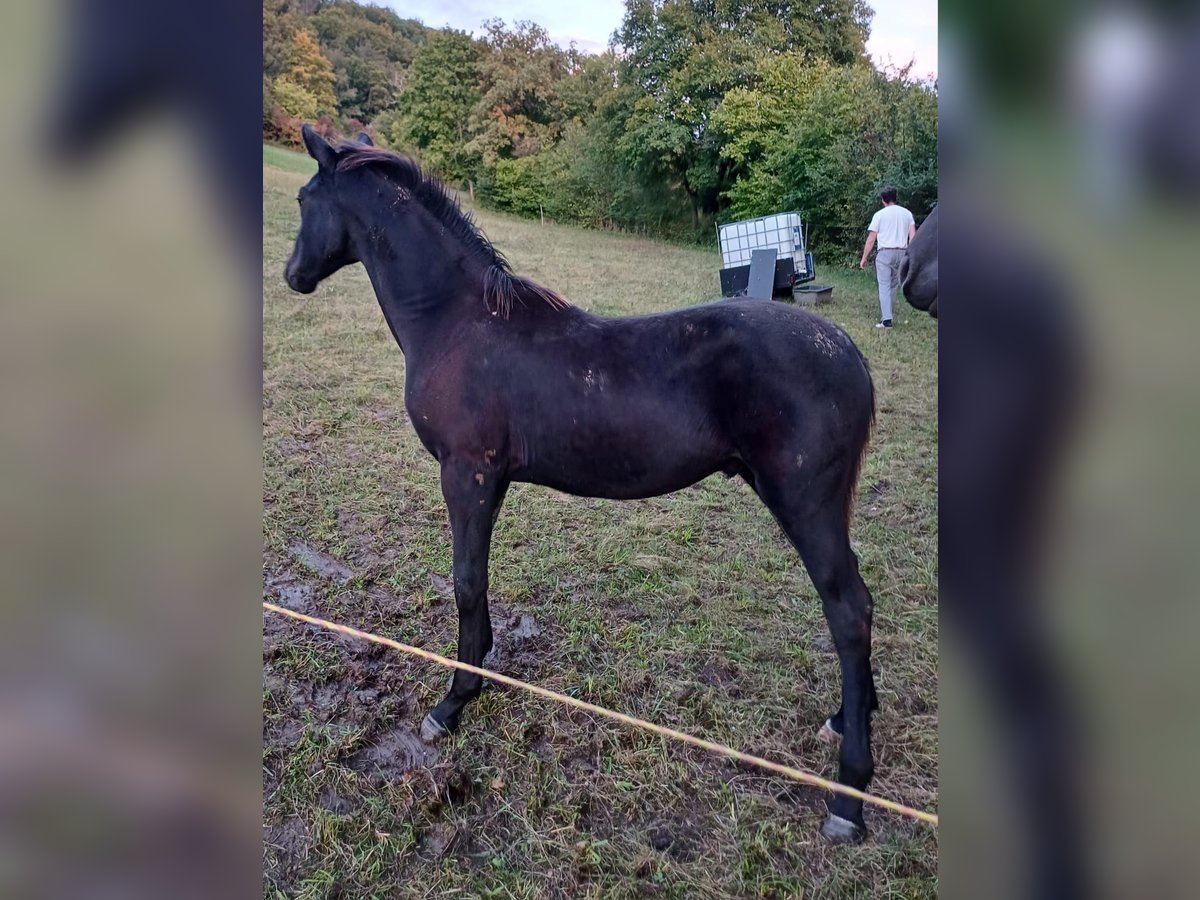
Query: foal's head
{"points": [[404, 217], [323, 245]]}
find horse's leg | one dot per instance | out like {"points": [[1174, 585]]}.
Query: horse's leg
{"points": [[824, 545], [823, 539], [473, 498], [834, 725]]}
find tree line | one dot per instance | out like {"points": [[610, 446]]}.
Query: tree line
{"points": [[700, 111]]}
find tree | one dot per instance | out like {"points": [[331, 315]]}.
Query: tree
{"points": [[305, 87], [434, 110], [824, 139], [685, 55], [298, 102], [370, 49], [520, 111], [699, 109], [279, 24], [589, 79]]}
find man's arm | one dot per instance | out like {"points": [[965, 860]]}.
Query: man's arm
{"points": [[912, 231], [862, 263]]}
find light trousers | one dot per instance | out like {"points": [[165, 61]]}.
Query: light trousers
{"points": [[887, 273]]}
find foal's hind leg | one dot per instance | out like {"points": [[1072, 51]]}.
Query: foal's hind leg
{"points": [[473, 498], [823, 539]]}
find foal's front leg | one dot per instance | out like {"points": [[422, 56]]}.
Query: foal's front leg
{"points": [[473, 495]]}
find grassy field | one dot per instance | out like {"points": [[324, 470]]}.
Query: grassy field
{"points": [[690, 610]]}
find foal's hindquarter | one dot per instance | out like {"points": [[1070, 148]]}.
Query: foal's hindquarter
{"points": [[627, 408]]}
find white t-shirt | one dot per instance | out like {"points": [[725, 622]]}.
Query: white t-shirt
{"points": [[891, 224]]}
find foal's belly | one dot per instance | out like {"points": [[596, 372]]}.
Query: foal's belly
{"points": [[619, 465], [616, 484]]}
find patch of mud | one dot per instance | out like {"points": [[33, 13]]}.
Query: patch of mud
{"points": [[393, 755], [638, 684], [802, 797], [458, 786], [676, 839], [328, 699], [519, 644], [289, 734], [349, 700], [288, 842], [331, 801], [684, 692], [580, 766], [321, 563], [584, 819], [366, 685], [290, 593], [373, 544], [296, 596], [379, 413], [366, 697], [442, 586], [437, 841], [537, 744], [292, 447], [721, 675], [386, 604], [677, 832], [522, 628], [628, 613], [348, 521], [451, 786]]}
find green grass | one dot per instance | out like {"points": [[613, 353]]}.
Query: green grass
{"points": [[690, 610], [281, 158]]}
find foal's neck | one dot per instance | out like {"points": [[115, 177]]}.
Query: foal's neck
{"points": [[425, 282]]}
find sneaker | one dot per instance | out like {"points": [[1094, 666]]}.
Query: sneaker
{"points": [[886, 323]]}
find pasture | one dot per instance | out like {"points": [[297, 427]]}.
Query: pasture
{"points": [[690, 610]]}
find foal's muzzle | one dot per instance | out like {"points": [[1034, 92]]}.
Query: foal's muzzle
{"points": [[298, 282]]}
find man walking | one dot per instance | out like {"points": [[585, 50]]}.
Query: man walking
{"points": [[893, 226]]}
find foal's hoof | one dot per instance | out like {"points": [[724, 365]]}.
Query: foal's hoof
{"points": [[828, 734], [842, 831], [432, 730]]}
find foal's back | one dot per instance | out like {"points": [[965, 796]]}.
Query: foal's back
{"points": [[635, 407]]}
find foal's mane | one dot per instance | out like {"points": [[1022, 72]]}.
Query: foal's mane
{"points": [[500, 285]]}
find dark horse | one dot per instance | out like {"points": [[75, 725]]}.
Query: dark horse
{"points": [[508, 382], [919, 268], [1005, 417]]}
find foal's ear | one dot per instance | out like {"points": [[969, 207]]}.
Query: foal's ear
{"points": [[364, 138], [318, 148]]}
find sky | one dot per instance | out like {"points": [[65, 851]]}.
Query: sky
{"points": [[901, 30]]}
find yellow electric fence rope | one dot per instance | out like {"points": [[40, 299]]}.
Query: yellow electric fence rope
{"points": [[786, 771]]}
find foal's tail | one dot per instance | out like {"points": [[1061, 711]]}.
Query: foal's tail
{"points": [[852, 488]]}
